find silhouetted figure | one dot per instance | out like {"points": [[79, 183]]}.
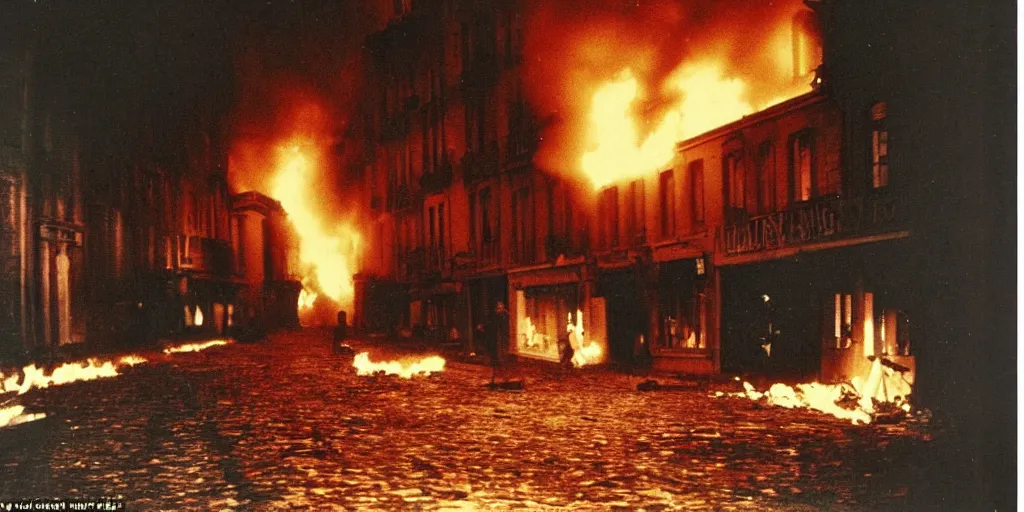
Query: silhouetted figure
{"points": [[496, 334]]}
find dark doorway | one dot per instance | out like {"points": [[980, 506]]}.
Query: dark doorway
{"points": [[771, 319], [624, 313]]}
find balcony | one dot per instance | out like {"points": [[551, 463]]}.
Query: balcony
{"points": [[818, 220], [197, 254], [438, 179], [519, 148]]}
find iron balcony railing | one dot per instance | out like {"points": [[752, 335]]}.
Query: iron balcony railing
{"points": [[820, 219]]}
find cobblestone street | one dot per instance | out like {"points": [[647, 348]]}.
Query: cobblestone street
{"points": [[285, 424]]}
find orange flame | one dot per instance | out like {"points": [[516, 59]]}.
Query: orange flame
{"points": [[329, 252], [406, 370], [882, 385], [194, 347], [584, 352], [90, 369], [706, 99], [199, 317]]}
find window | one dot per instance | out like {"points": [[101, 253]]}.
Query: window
{"points": [[440, 233], [879, 146], [635, 213], [608, 214], [667, 200], [432, 244], [735, 181], [765, 178], [801, 166], [485, 215], [522, 226], [472, 221], [696, 172]]}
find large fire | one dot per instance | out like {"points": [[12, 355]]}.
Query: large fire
{"points": [[707, 99], [327, 250], [627, 81], [405, 368]]}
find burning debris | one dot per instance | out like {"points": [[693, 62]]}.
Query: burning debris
{"points": [[884, 393], [35, 377], [405, 369], [15, 415], [195, 347]]}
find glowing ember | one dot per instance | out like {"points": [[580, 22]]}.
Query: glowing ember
{"points": [[329, 253], [856, 402], [198, 321], [584, 352], [194, 347], [14, 415], [405, 369]]}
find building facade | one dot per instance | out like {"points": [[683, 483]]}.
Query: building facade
{"points": [[115, 227]]}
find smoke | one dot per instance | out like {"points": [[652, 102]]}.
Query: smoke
{"points": [[298, 68], [571, 47]]}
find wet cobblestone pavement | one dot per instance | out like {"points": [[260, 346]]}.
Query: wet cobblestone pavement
{"points": [[284, 424]]}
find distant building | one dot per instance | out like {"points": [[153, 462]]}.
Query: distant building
{"points": [[264, 252]]}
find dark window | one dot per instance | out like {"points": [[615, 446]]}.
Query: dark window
{"points": [[735, 181], [608, 216], [765, 178], [801, 164], [667, 200], [696, 172], [440, 232], [635, 213], [879, 146]]}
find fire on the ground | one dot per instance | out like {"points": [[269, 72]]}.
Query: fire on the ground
{"points": [[405, 368]]}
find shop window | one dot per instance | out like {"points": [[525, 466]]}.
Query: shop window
{"points": [[541, 316], [684, 317], [843, 321]]}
